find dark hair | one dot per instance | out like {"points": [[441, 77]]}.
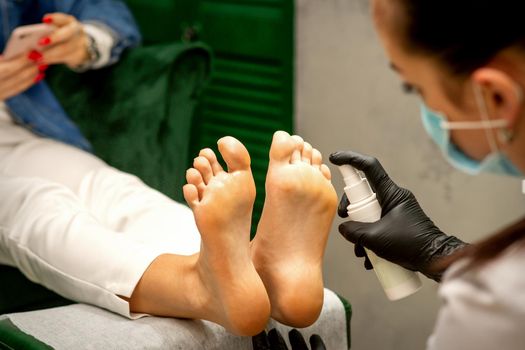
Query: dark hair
{"points": [[462, 34]]}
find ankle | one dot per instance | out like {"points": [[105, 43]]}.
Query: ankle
{"points": [[201, 297]]}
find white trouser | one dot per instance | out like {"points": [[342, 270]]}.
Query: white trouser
{"points": [[78, 226]]}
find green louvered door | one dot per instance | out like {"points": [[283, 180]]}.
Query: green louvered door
{"points": [[251, 92]]}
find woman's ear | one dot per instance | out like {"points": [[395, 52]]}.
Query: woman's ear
{"points": [[503, 96]]}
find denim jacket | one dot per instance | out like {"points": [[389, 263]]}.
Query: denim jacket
{"points": [[37, 108]]}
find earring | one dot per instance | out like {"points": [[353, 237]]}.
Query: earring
{"points": [[506, 135]]}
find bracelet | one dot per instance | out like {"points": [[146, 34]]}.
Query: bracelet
{"points": [[93, 54], [93, 51]]}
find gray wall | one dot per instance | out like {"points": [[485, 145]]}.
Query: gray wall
{"points": [[347, 98]]}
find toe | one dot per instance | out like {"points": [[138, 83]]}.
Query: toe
{"points": [[204, 167], [317, 158], [298, 148], [194, 177], [296, 156], [306, 154], [210, 155], [191, 195], [282, 147], [234, 154], [326, 171]]}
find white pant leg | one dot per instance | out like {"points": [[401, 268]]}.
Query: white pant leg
{"points": [[124, 203], [118, 200], [51, 237], [85, 195]]}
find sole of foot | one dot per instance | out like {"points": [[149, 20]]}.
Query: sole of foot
{"points": [[291, 237], [233, 294]]}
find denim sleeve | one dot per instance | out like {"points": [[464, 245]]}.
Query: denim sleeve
{"points": [[112, 15]]}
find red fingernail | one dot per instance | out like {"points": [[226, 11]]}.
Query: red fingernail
{"points": [[34, 55], [43, 67], [44, 41], [47, 20], [39, 77]]}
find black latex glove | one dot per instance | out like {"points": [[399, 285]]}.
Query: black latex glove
{"points": [[404, 235], [274, 341]]}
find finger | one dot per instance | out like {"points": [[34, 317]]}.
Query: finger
{"points": [[19, 83], [342, 210], [369, 235], [359, 251], [368, 264], [276, 340], [369, 165], [297, 340], [12, 67], [58, 19], [260, 342], [355, 232], [374, 171], [62, 34], [61, 53], [316, 343]]}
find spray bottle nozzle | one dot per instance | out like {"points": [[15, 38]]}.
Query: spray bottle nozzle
{"points": [[356, 186], [350, 174]]}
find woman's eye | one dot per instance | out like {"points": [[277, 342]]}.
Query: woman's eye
{"points": [[411, 89], [408, 88]]}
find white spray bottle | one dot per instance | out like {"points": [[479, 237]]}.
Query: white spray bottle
{"points": [[397, 281]]}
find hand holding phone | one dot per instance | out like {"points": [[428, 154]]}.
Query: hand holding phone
{"points": [[25, 38], [68, 44], [17, 75]]}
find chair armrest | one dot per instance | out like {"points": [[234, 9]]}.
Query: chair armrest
{"points": [[82, 326], [13, 338]]}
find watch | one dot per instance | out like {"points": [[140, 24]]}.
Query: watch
{"points": [[93, 54], [93, 51]]}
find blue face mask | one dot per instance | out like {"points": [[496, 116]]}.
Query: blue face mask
{"points": [[439, 130]]}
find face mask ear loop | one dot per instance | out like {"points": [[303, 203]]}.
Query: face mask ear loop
{"points": [[480, 101], [506, 134]]}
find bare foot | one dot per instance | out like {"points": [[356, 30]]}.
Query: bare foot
{"points": [[222, 204], [288, 248]]}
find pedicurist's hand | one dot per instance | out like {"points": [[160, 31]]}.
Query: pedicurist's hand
{"points": [[68, 44], [404, 235], [17, 75], [274, 341]]}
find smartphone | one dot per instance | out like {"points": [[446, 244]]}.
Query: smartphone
{"points": [[25, 38]]}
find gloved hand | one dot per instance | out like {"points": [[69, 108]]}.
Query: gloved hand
{"points": [[274, 341], [404, 235]]}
